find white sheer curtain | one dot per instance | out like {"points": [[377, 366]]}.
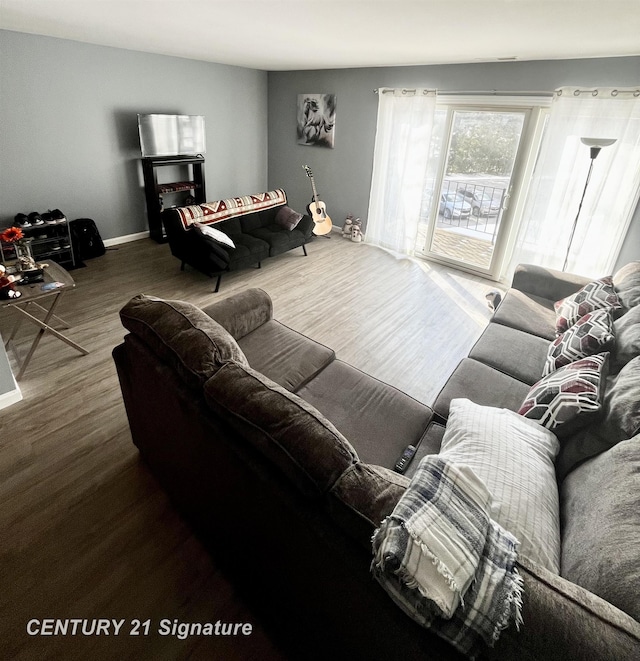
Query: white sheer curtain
{"points": [[403, 136], [559, 180]]}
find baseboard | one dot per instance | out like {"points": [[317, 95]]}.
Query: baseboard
{"points": [[127, 238], [11, 397], [14, 395]]}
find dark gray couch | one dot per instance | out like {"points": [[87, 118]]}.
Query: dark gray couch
{"points": [[280, 455]]}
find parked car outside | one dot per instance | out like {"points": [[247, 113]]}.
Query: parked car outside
{"points": [[453, 205], [482, 204]]}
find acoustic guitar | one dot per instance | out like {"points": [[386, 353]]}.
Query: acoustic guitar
{"points": [[317, 209]]}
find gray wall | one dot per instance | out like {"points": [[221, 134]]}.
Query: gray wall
{"points": [[343, 174], [7, 384], [68, 134]]}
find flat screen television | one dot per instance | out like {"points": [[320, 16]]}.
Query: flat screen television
{"points": [[171, 135]]}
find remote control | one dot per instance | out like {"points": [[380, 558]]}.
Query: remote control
{"points": [[405, 459]]}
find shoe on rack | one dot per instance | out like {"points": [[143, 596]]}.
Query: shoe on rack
{"points": [[21, 220], [56, 214], [49, 219], [35, 218]]}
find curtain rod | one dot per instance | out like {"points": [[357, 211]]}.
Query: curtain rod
{"points": [[577, 92], [471, 92], [595, 92]]}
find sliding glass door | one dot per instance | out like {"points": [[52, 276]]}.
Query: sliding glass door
{"points": [[476, 155]]}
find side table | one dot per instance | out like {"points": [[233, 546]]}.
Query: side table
{"points": [[56, 282]]}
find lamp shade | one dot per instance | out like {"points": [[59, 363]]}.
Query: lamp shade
{"points": [[598, 142]]}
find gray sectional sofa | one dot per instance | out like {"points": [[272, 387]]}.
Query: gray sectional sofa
{"points": [[281, 457]]}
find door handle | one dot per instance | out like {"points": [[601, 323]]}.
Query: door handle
{"points": [[505, 200]]}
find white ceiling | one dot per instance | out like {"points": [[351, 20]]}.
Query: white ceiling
{"points": [[324, 34]]}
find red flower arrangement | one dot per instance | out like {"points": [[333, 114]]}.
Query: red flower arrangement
{"points": [[11, 235]]}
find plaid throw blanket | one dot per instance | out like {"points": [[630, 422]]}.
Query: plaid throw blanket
{"points": [[445, 562]]}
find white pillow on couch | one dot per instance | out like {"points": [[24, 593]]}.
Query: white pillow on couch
{"points": [[216, 235], [514, 457]]}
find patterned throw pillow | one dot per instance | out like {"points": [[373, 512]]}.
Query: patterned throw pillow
{"points": [[591, 334], [568, 398], [599, 294]]}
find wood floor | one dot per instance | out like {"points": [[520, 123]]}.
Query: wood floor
{"points": [[85, 531]]}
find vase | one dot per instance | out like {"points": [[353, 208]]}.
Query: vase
{"points": [[24, 255]]}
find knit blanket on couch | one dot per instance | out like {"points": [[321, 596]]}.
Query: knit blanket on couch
{"points": [[445, 562], [213, 212]]}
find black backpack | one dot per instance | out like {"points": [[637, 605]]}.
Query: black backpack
{"points": [[85, 239]]}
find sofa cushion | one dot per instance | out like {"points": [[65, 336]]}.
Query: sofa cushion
{"points": [[591, 334], [292, 434], [251, 222], [231, 227], [514, 458], [378, 419], [528, 313], [182, 335], [247, 245], [287, 218], [545, 282], [283, 355], [601, 526], [514, 352], [596, 295], [569, 398], [626, 282], [483, 385], [248, 252], [620, 421], [279, 239], [627, 332]]}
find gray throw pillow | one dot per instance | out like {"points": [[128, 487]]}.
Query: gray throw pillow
{"points": [[601, 518], [620, 421], [622, 403], [287, 218], [626, 282], [627, 334]]}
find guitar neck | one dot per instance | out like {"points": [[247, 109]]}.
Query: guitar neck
{"points": [[313, 188]]}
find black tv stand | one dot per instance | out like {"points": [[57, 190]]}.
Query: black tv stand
{"points": [[154, 191]]}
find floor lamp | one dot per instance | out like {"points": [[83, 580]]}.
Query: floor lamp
{"points": [[596, 144]]}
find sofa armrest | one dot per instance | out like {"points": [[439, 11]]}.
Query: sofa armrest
{"points": [[564, 621], [546, 283], [242, 313]]}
